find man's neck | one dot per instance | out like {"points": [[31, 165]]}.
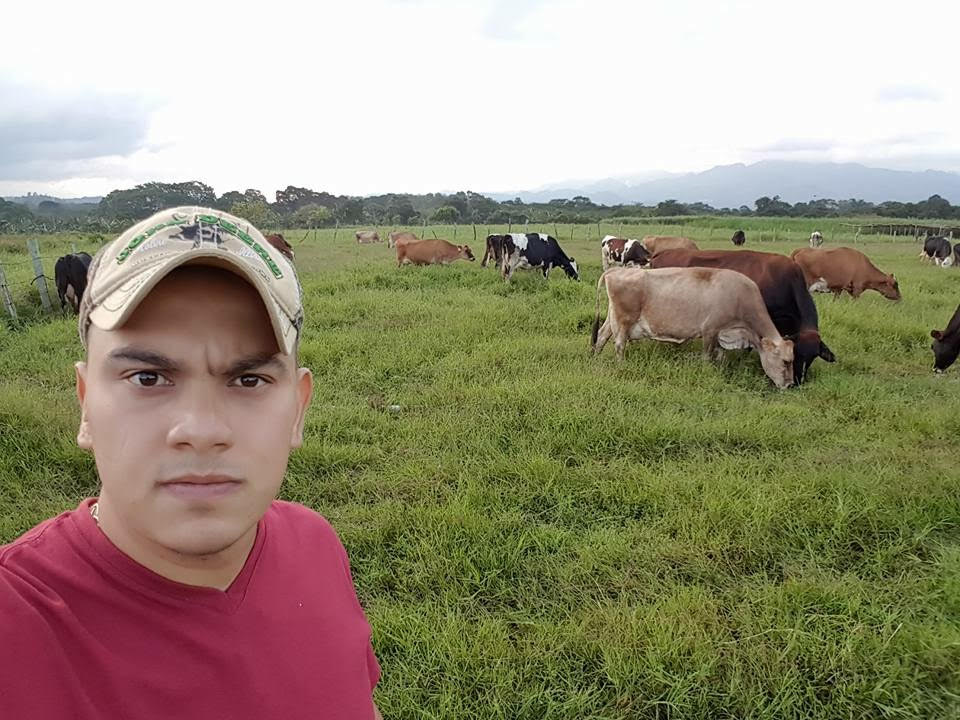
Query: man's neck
{"points": [[217, 570]]}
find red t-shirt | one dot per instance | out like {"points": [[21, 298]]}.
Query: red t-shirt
{"points": [[87, 632]]}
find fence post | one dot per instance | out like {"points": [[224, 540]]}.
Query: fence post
{"points": [[74, 246], [34, 249], [5, 295]]}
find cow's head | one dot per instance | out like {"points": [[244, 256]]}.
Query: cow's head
{"points": [[890, 288], [776, 356], [946, 344], [807, 347], [465, 252], [571, 269]]}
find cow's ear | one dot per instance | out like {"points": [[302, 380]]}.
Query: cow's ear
{"points": [[826, 353], [936, 335]]}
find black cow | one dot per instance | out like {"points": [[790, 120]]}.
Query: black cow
{"points": [[782, 287], [938, 249], [494, 250], [70, 272], [535, 250], [946, 344], [738, 238], [956, 255]]}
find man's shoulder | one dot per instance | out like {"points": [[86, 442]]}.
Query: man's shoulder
{"points": [[36, 545], [27, 586], [300, 522]]}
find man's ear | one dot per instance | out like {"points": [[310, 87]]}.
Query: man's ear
{"points": [[304, 390], [84, 437]]}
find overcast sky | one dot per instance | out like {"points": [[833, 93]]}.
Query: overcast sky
{"points": [[373, 96]]}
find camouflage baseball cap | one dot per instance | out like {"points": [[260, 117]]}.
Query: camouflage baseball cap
{"points": [[124, 272]]}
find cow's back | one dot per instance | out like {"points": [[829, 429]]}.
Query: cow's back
{"points": [[680, 303], [781, 281], [424, 252], [659, 243]]}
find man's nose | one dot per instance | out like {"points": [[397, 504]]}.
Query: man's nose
{"points": [[201, 421]]}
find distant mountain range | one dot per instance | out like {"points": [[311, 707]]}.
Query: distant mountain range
{"points": [[739, 184], [33, 201], [722, 186]]}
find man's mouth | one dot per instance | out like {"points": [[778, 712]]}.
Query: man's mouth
{"points": [[201, 486]]}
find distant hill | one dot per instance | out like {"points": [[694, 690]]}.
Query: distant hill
{"points": [[33, 200], [736, 185]]}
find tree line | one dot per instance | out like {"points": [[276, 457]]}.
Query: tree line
{"points": [[299, 207]]}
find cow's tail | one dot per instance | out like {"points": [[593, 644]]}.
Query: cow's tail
{"points": [[596, 313]]}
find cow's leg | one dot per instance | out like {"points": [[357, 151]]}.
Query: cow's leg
{"points": [[486, 256], [546, 270], [620, 343], [603, 335], [711, 347]]}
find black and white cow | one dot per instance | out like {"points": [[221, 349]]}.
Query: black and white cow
{"points": [[938, 249], [535, 250], [70, 273], [738, 238], [494, 250], [946, 344]]}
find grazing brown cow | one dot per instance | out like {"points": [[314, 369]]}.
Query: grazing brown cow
{"points": [[723, 307], [276, 239], [784, 293], [400, 237], [659, 243], [430, 252], [367, 236], [843, 269]]}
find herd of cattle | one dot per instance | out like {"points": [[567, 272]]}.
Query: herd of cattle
{"points": [[665, 288]]}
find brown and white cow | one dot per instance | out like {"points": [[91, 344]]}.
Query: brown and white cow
{"points": [[400, 237], [278, 241], [724, 307], [432, 252], [367, 236], [842, 269], [783, 289], [622, 251]]}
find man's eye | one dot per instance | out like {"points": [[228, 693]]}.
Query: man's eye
{"points": [[250, 381], [148, 378]]}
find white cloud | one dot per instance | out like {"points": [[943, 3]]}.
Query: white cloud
{"points": [[428, 95]]}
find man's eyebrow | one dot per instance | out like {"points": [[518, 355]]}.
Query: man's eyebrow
{"points": [[162, 362], [147, 357], [256, 362]]}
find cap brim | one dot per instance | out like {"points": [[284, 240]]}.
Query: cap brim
{"points": [[115, 309]]}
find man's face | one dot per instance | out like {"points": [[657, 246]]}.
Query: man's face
{"points": [[191, 412]]}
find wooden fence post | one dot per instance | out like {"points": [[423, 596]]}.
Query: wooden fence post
{"points": [[41, 281], [336, 229], [6, 297], [73, 245]]}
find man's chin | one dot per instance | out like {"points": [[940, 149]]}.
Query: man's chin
{"points": [[202, 538]]}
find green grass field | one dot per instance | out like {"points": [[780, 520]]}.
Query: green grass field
{"points": [[542, 534]]}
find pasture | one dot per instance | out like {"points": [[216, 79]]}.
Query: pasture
{"points": [[537, 533]]}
